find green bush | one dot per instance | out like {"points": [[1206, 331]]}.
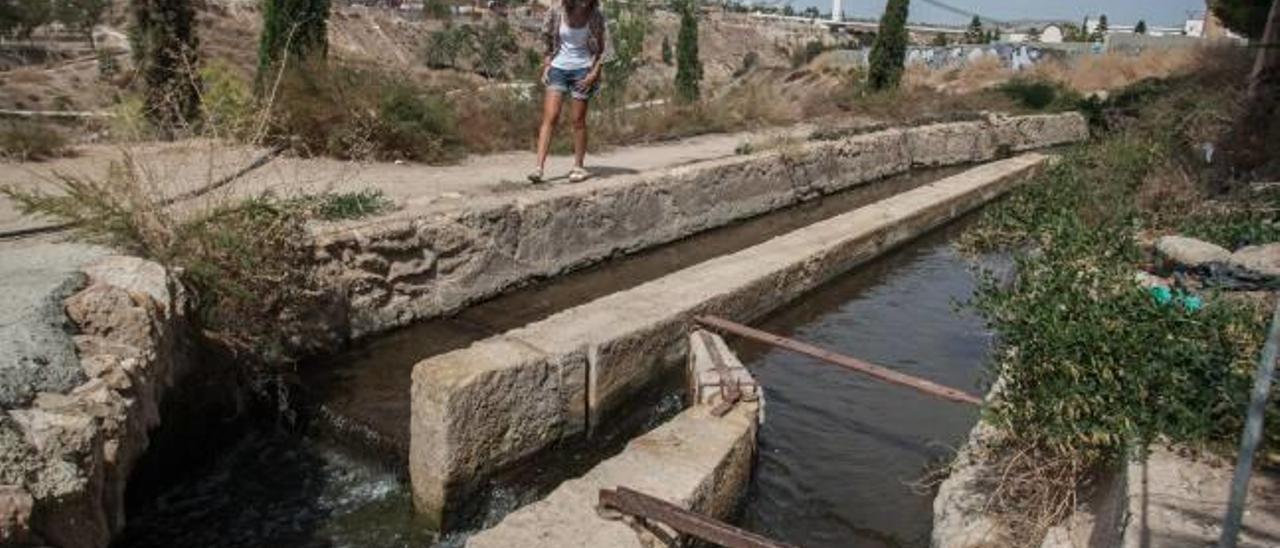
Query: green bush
{"points": [[811, 50], [362, 114], [28, 141], [1245, 225], [228, 101], [1040, 94], [246, 262], [445, 46], [1091, 365], [415, 125]]}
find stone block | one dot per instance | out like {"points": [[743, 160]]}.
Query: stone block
{"points": [[695, 461], [481, 408]]}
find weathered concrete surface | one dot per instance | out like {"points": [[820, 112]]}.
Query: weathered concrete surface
{"points": [[433, 259], [65, 456], [1190, 252], [960, 517], [1176, 498], [479, 409], [707, 384], [1261, 260], [1169, 498], [36, 350], [696, 461]]}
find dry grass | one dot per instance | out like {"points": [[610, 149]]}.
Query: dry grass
{"points": [[1085, 73], [972, 77], [1089, 73]]}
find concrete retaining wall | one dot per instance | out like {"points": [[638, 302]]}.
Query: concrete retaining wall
{"points": [[67, 453], [696, 461], [426, 262], [485, 407]]}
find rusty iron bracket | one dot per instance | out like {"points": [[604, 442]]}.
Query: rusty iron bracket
{"points": [[647, 509], [730, 389]]}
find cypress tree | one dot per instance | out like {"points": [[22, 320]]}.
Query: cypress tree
{"points": [[975, 34], [1100, 32], [889, 52], [164, 39], [297, 28], [688, 67]]}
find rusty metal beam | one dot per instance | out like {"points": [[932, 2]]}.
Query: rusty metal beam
{"points": [[873, 370], [730, 392], [640, 505]]}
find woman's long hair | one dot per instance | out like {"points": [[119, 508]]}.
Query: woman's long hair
{"points": [[568, 5]]}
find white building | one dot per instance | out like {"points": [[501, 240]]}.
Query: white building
{"points": [[1194, 27], [1052, 34]]}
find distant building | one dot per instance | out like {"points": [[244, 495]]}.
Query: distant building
{"points": [[1194, 26], [1052, 34]]}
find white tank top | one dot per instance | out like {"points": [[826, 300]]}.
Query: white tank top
{"points": [[573, 54]]}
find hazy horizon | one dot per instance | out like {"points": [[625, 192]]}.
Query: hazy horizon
{"points": [[1155, 12]]}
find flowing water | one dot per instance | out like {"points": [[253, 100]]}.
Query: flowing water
{"points": [[839, 452], [836, 450]]}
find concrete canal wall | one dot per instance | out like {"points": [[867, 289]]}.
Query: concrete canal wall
{"points": [[91, 343], [697, 461], [486, 407], [425, 262]]}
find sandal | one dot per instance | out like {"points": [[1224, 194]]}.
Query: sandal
{"points": [[535, 176], [578, 174]]}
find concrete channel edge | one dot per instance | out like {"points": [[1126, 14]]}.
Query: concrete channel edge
{"points": [[426, 262], [483, 408]]}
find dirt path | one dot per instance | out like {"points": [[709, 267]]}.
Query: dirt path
{"points": [[174, 168]]}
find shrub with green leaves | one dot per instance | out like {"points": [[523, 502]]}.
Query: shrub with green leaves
{"points": [[25, 141], [228, 101], [1037, 94], [362, 114], [292, 31], [494, 45], [628, 25], [1091, 364], [246, 262], [445, 46]]}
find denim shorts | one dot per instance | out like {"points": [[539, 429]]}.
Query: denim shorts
{"points": [[566, 81]]}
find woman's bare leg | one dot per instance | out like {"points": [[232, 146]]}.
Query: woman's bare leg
{"points": [[579, 111], [550, 113]]}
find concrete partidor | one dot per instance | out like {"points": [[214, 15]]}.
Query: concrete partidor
{"points": [[696, 461], [491, 405]]}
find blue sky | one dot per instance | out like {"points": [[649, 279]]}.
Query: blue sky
{"points": [[1156, 12]]}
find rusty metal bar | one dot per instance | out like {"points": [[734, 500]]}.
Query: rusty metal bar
{"points": [[730, 392], [635, 503], [879, 372]]}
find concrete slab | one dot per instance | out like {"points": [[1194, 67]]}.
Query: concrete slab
{"points": [[696, 461], [633, 337], [36, 349]]}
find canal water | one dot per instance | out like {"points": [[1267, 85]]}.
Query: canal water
{"points": [[841, 455], [837, 451]]}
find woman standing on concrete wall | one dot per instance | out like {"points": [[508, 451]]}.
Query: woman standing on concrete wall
{"points": [[574, 34]]}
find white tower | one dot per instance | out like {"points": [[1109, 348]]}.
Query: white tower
{"points": [[837, 14]]}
